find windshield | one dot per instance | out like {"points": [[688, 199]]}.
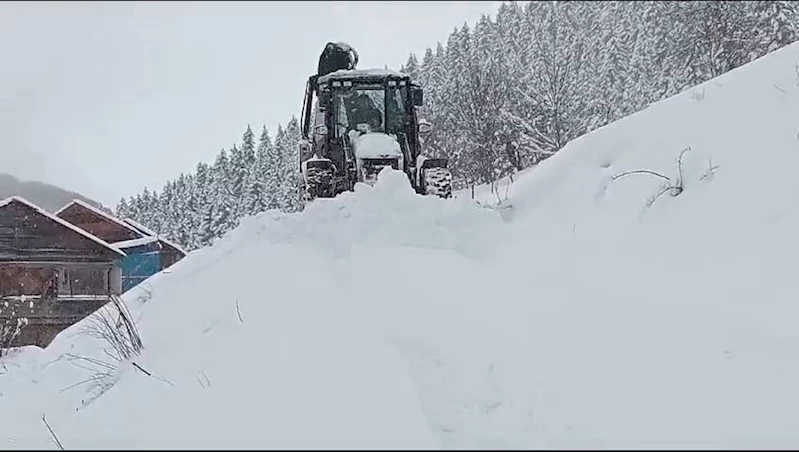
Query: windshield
{"points": [[366, 107]]}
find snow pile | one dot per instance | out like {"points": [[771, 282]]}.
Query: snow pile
{"points": [[597, 315], [385, 215]]}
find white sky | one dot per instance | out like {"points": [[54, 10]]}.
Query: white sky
{"points": [[107, 98]]}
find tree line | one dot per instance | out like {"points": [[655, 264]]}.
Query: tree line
{"points": [[511, 91], [251, 177]]}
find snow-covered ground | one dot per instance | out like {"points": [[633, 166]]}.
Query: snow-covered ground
{"points": [[583, 316]]}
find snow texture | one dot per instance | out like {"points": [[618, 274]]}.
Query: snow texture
{"points": [[588, 317]]}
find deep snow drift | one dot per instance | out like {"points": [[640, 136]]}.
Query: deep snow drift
{"points": [[589, 316]]}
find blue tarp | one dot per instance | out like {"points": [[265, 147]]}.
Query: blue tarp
{"points": [[136, 267]]}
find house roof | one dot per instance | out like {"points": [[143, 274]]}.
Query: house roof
{"points": [[135, 242], [63, 223], [149, 232], [100, 213]]}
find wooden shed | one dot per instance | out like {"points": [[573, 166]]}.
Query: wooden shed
{"points": [[147, 252], [52, 273], [98, 223]]}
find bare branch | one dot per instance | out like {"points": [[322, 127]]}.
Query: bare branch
{"points": [[653, 199], [674, 188], [238, 311], [711, 170], [141, 369], [93, 379], [52, 433], [10, 329], [152, 376], [677, 189], [112, 324], [627, 173], [94, 361], [205, 382]]}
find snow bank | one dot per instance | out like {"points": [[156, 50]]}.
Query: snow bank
{"points": [[668, 324], [386, 214]]}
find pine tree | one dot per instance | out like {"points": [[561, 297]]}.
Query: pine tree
{"points": [[242, 162], [289, 155], [221, 218], [122, 210], [257, 196], [411, 67], [199, 207]]}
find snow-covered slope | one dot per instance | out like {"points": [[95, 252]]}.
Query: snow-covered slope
{"points": [[588, 316]]}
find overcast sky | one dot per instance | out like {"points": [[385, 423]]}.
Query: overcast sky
{"points": [[107, 98]]}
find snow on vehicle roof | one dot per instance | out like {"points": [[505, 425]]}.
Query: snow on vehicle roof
{"points": [[64, 223], [366, 73]]}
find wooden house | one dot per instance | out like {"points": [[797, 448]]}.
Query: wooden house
{"points": [[147, 252], [98, 223], [52, 273]]}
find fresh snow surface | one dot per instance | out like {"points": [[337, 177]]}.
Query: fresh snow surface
{"points": [[579, 317]]}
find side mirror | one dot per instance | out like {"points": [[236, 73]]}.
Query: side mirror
{"points": [[425, 127], [321, 129], [418, 97]]}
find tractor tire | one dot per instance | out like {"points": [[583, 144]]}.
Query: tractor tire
{"points": [[438, 182], [319, 183]]}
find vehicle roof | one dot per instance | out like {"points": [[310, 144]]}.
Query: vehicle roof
{"points": [[364, 74]]}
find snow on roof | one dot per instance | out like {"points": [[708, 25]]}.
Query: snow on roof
{"points": [[355, 73], [98, 212], [136, 242], [64, 223], [145, 230]]}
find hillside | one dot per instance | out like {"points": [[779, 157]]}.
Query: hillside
{"points": [[48, 197], [584, 316]]}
